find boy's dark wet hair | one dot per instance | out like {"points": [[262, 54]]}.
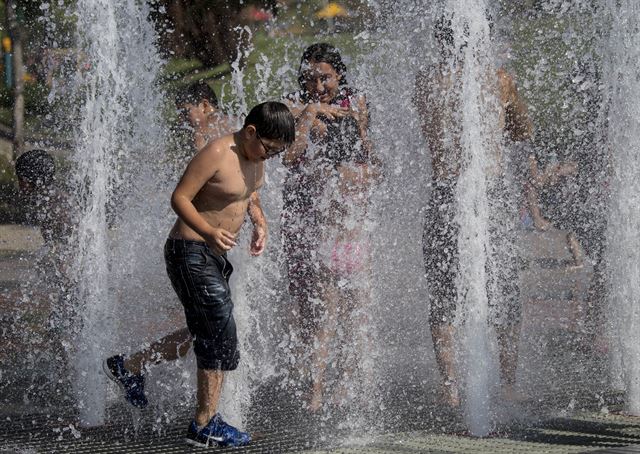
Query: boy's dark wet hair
{"points": [[322, 53], [272, 120], [195, 93], [36, 167]]}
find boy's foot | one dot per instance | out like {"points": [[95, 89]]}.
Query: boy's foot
{"points": [[216, 433], [132, 384]]}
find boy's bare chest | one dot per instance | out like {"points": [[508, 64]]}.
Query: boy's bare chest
{"points": [[235, 182]]}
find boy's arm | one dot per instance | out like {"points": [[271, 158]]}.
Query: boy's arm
{"points": [[533, 203], [259, 236], [201, 169]]}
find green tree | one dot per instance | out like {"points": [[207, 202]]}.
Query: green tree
{"points": [[203, 29]]}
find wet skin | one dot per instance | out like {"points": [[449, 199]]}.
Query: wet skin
{"points": [[214, 193]]}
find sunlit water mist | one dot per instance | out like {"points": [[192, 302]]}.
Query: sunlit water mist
{"points": [[118, 141], [479, 119], [391, 69], [623, 254], [123, 289]]}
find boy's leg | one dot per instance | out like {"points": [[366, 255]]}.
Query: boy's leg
{"points": [[506, 308], [508, 338], [208, 395], [169, 348], [200, 280], [444, 348]]}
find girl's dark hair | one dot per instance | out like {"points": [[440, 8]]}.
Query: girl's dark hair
{"points": [[195, 93], [322, 53], [36, 166], [272, 120]]}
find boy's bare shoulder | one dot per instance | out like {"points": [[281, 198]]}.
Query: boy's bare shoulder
{"points": [[218, 148], [211, 158]]}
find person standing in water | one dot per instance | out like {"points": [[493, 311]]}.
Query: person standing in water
{"points": [[197, 105], [211, 200], [330, 169], [437, 98]]}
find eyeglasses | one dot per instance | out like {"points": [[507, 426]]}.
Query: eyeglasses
{"points": [[270, 151]]}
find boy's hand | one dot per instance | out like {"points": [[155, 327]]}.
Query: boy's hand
{"points": [[258, 240], [221, 241]]}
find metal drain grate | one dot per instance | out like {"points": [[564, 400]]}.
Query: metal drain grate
{"points": [[421, 427]]}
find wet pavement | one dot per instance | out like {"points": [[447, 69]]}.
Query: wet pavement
{"points": [[574, 412], [423, 427]]}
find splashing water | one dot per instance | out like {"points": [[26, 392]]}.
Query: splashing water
{"points": [[478, 158], [119, 133], [123, 295], [624, 220]]}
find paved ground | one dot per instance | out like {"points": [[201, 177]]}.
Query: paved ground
{"points": [[574, 412], [425, 428]]}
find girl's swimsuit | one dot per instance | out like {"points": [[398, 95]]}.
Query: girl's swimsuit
{"points": [[345, 245], [302, 218]]}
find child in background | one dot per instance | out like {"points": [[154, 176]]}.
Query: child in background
{"points": [[547, 183], [42, 198]]}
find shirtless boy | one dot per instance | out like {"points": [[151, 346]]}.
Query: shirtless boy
{"points": [[211, 201]]}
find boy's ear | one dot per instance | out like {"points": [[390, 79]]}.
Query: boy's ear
{"points": [[206, 105], [251, 130]]}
